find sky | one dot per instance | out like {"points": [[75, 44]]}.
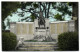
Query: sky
{"points": [[16, 18]]}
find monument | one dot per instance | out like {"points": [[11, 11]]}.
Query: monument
{"points": [[41, 29], [38, 36], [31, 30]]}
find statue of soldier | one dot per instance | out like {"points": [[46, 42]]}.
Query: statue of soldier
{"points": [[41, 20]]}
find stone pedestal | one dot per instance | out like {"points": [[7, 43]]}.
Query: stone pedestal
{"points": [[41, 33]]}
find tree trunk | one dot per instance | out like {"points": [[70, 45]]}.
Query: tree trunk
{"points": [[75, 14], [40, 13], [45, 9], [48, 10]]}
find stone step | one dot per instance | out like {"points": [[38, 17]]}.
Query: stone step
{"points": [[40, 43], [38, 46]]}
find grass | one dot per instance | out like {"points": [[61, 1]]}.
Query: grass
{"points": [[37, 41], [30, 40]]}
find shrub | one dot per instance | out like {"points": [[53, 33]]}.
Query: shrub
{"points": [[9, 41], [68, 41]]}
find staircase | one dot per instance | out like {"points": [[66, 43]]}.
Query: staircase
{"points": [[44, 42], [38, 46]]}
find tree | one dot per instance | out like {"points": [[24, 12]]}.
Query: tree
{"points": [[63, 8], [36, 7], [75, 13], [7, 9], [44, 8]]}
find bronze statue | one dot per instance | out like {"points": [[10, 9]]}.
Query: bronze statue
{"points": [[41, 20]]}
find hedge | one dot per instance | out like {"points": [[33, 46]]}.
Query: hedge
{"points": [[68, 41], [9, 41]]}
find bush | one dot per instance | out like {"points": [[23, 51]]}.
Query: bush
{"points": [[9, 41], [68, 41]]}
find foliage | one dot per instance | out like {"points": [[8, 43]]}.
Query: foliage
{"points": [[3, 26], [61, 7], [68, 41], [32, 17], [35, 5], [31, 41], [23, 4], [58, 17], [8, 8], [9, 41]]}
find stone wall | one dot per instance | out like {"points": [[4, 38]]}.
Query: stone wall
{"points": [[13, 27], [28, 30], [23, 29], [59, 27], [71, 26]]}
